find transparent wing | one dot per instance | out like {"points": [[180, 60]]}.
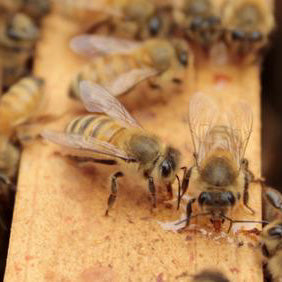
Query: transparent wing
{"points": [[97, 99], [202, 118], [90, 144], [91, 45], [240, 118], [126, 81]]}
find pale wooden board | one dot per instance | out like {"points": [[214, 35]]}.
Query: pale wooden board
{"points": [[59, 231]]}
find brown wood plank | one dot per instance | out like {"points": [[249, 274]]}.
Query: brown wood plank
{"points": [[59, 231]]}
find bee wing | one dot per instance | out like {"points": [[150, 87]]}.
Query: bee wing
{"points": [[91, 45], [90, 144], [203, 113], [97, 99], [126, 81], [240, 118]]}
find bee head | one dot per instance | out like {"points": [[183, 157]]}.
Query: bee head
{"points": [[169, 165], [271, 237], [21, 27]]}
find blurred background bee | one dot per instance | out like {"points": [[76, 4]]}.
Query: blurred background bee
{"points": [[116, 138], [123, 63], [19, 105], [220, 174], [247, 25], [210, 276], [137, 19], [18, 35], [200, 20], [36, 9], [271, 242], [271, 204]]}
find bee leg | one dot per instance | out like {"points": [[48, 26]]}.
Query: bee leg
{"points": [[189, 211], [246, 194], [152, 189], [114, 189], [185, 184], [169, 191]]}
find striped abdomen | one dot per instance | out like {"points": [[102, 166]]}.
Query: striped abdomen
{"points": [[20, 103], [105, 69], [98, 126]]}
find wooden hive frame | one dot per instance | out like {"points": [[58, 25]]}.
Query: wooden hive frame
{"points": [[59, 232]]}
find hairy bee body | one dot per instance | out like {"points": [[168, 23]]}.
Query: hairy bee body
{"points": [[19, 104], [140, 145], [168, 60], [271, 240], [17, 38], [248, 24], [104, 69], [220, 171], [114, 137]]}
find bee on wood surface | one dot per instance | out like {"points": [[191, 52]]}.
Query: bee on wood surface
{"points": [[220, 174], [126, 63], [116, 138], [271, 241], [18, 35], [201, 21], [247, 25], [271, 204], [210, 276], [19, 104]]}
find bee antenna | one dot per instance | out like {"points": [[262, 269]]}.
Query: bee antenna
{"points": [[178, 196], [242, 221]]}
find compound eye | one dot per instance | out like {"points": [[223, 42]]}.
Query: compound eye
{"points": [[183, 58], [230, 198], [154, 25], [238, 35], [256, 36], [275, 231], [166, 169], [204, 198]]}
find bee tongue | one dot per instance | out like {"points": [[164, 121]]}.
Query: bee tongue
{"points": [[217, 225]]}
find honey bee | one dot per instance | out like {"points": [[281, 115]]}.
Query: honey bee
{"points": [[36, 9], [201, 21], [137, 19], [210, 276], [271, 240], [116, 138], [247, 25], [271, 204], [17, 38], [220, 171], [126, 63], [19, 104]]}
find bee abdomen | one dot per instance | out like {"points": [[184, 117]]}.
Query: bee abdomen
{"points": [[98, 126]]}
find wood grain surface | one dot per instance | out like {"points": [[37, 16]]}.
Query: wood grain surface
{"points": [[59, 230]]}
